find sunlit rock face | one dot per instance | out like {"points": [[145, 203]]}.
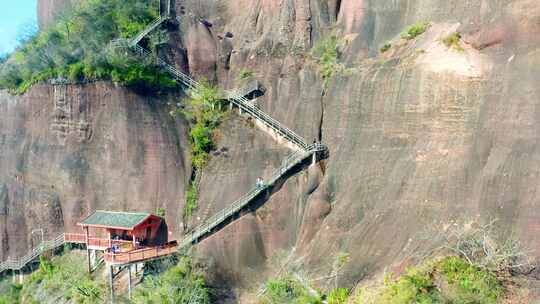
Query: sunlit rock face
{"points": [[48, 10], [421, 136], [67, 150]]}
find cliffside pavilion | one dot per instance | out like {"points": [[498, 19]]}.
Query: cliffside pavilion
{"points": [[124, 237]]}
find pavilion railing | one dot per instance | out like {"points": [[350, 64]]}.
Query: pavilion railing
{"points": [[140, 254]]}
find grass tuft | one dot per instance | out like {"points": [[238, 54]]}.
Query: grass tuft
{"points": [[385, 47], [453, 41], [415, 30], [450, 280]]}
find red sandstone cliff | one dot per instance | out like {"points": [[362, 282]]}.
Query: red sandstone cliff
{"points": [[69, 149], [421, 136]]}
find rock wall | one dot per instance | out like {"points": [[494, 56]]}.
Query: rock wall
{"points": [[48, 10], [421, 136], [67, 150]]}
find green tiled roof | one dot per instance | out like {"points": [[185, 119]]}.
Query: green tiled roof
{"points": [[127, 220]]}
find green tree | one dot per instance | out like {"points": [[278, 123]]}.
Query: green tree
{"points": [[74, 48], [183, 283]]}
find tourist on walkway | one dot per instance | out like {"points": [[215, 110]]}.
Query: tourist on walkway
{"points": [[260, 182]]}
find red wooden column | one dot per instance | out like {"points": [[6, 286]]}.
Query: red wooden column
{"points": [[109, 230], [87, 249]]}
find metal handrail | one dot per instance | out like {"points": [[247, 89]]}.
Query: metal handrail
{"points": [[292, 160], [148, 29], [44, 246], [234, 97]]}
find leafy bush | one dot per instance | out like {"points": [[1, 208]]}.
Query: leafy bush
{"points": [[62, 278], [415, 286], [73, 48], [326, 54], [452, 41], [204, 112], [472, 285], [10, 293], [183, 283], [338, 296], [415, 30], [160, 212], [449, 280], [385, 47], [287, 290], [192, 200]]}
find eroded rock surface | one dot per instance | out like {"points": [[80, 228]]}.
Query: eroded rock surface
{"points": [[421, 136], [67, 150]]}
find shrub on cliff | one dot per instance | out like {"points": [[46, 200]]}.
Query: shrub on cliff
{"points": [[204, 112], [385, 47], [287, 290], [326, 54], [192, 200], [453, 41], [338, 296], [415, 30], [449, 280], [74, 48], [183, 283], [10, 293], [61, 278]]}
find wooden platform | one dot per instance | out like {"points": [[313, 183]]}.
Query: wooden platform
{"points": [[140, 254]]}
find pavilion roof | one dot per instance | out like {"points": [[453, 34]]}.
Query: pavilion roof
{"points": [[114, 219]]}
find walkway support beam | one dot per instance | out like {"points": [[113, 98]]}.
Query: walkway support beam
{"points": [[129, 282], [111, 285], [87, 249]]}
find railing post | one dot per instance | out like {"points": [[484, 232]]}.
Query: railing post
{"points": [[111, 286], [129, 282]]}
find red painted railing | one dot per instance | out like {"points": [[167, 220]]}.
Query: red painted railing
{"points": [[74, 238], [93, 241], [140, 254]]}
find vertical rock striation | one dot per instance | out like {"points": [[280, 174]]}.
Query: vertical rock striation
{"points": [[421, 136]]}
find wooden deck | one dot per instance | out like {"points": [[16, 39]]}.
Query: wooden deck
{"points": [[140, 254]]}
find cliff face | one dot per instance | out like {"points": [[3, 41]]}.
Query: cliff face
{"points": [[68, 150], [421, 136], [48, 10]]}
